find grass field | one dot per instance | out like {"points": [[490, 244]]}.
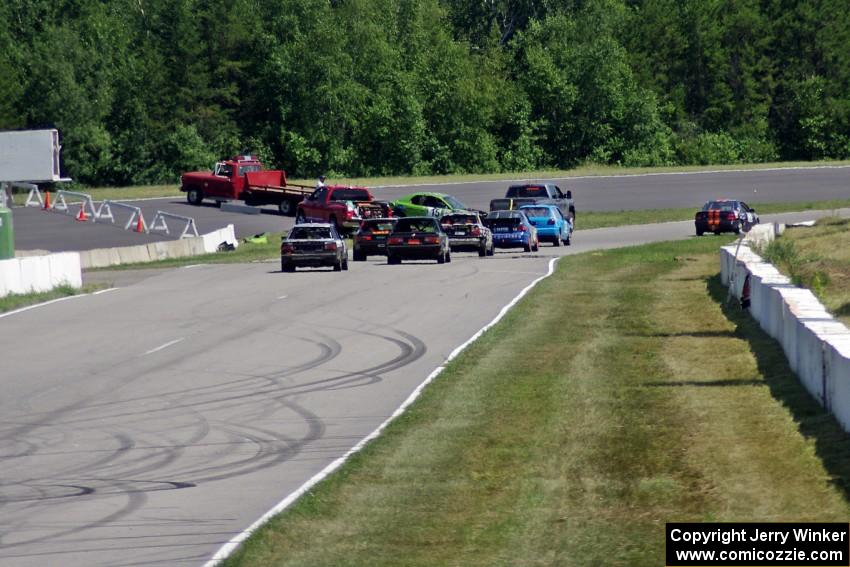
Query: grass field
{"points": [[619, 395], [16, 301], [818, 258]]}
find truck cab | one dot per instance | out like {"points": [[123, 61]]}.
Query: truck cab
{"points": [[545, 193], [225, 182]]}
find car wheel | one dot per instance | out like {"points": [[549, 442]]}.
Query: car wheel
{"points": [[536, 246], [345, 264], [286, 208], [557, 241], [700, 232], [482, 250], [448, 256], [359, 257], [739, 226], [569, 239], [338, 265], [194, 196], [393, 260], [492, 250], [286, 267], [527, 247]]}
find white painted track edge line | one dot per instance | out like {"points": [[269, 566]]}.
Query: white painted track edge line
{"points": [[52, 301], [164, 346], [225, 550], [649, 174]]}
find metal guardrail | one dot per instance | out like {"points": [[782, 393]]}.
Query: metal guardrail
{"points": [[135, 222], [159, 224], [60, 204]]}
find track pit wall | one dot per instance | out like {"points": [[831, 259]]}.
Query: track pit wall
{"points": [[816, 345]]}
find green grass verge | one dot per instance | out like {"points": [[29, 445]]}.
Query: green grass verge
{"points": [[818, 258], [142, 192], [619, 395], [16, 301]]}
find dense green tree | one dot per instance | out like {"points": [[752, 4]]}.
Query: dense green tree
{"points": [[144, 89]]}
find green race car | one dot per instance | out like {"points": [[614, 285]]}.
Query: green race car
{"points": [[426, 205]]}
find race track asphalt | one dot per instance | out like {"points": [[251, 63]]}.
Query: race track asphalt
{"points": [[38, 230], [149, 424]]}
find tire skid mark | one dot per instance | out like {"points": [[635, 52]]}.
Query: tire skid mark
{"points": [[134, 501], [244, 401]]}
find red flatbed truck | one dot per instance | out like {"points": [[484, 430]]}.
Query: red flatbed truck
{"points": [[244, 178]]}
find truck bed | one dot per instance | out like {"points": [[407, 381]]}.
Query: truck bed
{"points": [[274, 181]]}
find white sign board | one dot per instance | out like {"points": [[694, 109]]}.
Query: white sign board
{"points": [[29, 155]]}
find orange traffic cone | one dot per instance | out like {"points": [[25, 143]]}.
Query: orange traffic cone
{"points": [[46, 200], [140, 225], [82, 216]]}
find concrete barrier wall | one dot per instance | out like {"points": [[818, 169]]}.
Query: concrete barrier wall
{"points": [[40, 273], [816, 345], [193, 246], [43, 273]]}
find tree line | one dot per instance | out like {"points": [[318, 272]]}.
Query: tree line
{"points": [[142, 90]]}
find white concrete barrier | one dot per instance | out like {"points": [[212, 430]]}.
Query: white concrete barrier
{"points": [[837, 363], [39, 273], [816, 345], [192, 246], [213, 240], [10, 277]]}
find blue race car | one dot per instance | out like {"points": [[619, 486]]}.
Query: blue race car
{"points": [[550, 223], [512, 229]]}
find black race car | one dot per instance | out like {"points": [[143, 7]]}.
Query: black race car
{"points": [[418, 238], [467, 232], [371, 238], [725, 215]]}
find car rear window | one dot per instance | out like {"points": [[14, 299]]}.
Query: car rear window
{"points": [[719, 206], [537, 212], [350, 195], [416, 225], [527, 191], [310, 233]]}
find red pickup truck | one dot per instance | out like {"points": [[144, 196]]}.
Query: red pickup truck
{"points": [[243, 177], [342, 206]]}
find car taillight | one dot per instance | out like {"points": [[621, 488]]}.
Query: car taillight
{"points": [[364, 237], [476, 231], [331, 246], [395, 240], [522, 228], [286, 249], [731, 216], [349, 214], [432, 240], [551, 221]]}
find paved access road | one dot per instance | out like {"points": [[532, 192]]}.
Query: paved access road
{"points": [[35, 229], [150, 424]]}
